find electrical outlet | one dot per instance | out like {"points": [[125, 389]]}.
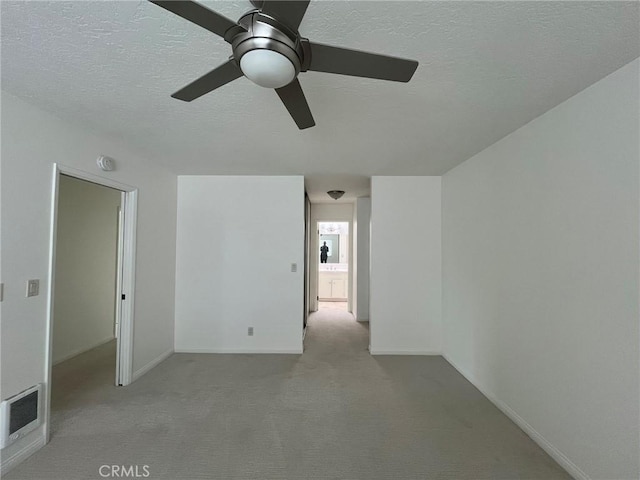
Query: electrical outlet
{"points": [[33, 288], [250, 331]]}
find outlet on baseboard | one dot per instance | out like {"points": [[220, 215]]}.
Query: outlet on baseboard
{"points": [[250, 331]]}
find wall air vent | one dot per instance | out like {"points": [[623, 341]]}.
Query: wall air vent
{"points": [[20, 415]]}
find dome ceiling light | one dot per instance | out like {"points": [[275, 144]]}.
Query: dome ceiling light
{"points": [[335, 194]]}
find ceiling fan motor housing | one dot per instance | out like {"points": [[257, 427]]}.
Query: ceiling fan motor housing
{"points": [[266, 33]]}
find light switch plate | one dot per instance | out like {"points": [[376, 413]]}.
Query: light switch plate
{"points": [[294, 267], [33, 288]]}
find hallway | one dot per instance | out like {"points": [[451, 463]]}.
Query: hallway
{"points": [[332, 330]]}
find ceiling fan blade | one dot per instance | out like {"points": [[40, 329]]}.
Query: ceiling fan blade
{"points": [[217, 77], [325, 58], [198, 14], [289, 12], [293, 98]]}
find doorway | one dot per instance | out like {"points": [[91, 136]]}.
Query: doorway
{"points": [[86, 263], [333, 265], [91, 278]]}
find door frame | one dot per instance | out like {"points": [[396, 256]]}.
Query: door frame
{"points": [[316, 259], [125, 278], [307, 247]]}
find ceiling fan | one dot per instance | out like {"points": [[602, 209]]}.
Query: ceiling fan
{"points": [[268, 49]]}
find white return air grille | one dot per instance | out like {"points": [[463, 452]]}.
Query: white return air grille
{"points": [[20, 414]]}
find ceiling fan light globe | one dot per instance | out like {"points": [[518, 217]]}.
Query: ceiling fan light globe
{"points": [[267, 68]]}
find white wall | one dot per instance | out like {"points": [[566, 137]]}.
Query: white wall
{"points": [[405, 283], [540, 235], [86, 252], [237, 238], [32, 140], [361, 242], [327, 212]]}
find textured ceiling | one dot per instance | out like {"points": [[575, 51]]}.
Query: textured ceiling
{"points": [[486, 68]]}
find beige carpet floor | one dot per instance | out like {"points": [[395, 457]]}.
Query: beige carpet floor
{"points": [[333, 305], [334, 412]]}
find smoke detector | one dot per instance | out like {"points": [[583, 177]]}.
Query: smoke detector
{"points": [[105, 163]]}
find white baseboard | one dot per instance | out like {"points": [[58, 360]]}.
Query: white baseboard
{"points": [[362, 320], [378, 351], [21, 455], [82, 350], [287, 351], [153, 363], [547, 446]]}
